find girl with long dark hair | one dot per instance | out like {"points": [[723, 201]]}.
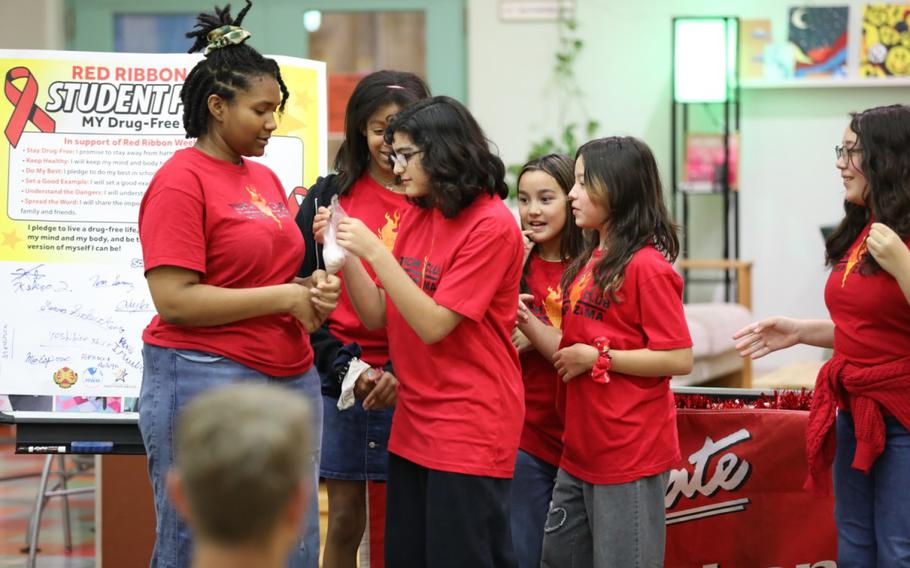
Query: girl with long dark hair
{"points": [[624, 334], [860, 413]]}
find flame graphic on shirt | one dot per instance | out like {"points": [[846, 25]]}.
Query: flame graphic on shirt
{"points": [[855, 257], [389, 232], [577, 288], [552, 304], [261, 204]]}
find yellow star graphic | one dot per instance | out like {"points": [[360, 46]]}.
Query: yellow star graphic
{"points": [[11, 239], [303, 98]]}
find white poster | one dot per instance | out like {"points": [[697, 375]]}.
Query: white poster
{"points": [[83, 135]]}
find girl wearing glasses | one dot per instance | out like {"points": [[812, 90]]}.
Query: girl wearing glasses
{"points": [[448, 295], [861, 402], [623, 335], [355, 439], [543, 188]]}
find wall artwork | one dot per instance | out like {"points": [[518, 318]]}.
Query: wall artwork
{"points": [[818, 37], [885, 49]]}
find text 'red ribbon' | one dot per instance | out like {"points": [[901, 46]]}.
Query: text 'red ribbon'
{"points": [[24, 108]]}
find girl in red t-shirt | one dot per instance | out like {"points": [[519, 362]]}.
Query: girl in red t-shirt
{"points": [[623, 335], [448, 294], [221, 252], [553, 240], [355, 440], [861, 400]]}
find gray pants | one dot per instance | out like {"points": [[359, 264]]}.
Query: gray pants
{"points": [[606, 526]]}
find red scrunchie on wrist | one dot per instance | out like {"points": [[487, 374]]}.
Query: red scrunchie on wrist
{"points": [[604, 360]]}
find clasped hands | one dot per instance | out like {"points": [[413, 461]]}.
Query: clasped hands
{"points": [[571, 361]]}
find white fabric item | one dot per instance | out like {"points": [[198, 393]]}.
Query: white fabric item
{"points": [[346, 400], [332, 253]]}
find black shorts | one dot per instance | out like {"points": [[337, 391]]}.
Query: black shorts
{"points": [[440, 519]]}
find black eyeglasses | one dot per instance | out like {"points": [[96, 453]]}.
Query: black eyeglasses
{"points": [[845, 153], [402, 158]]}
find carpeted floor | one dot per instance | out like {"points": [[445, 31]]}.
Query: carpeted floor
{"points": [[17, 498]]}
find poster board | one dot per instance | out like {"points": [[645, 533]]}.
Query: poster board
{"points": [[83, 133]]}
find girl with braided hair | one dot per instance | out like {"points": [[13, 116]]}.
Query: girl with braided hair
{"points": [[221, 252]]}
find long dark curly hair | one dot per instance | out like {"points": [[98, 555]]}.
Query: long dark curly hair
{"points": [[455, 154], [883, 134], [621, 175], [223, 72]]}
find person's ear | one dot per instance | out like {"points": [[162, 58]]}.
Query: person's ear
{"points": [[217, 107]]}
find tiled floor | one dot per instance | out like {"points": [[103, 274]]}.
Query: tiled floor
{"points": [[17, 497]]}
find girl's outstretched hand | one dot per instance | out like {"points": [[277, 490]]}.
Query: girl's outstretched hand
{"points": [[357, 239], [575, 360], [767, 336], [888, 249]]}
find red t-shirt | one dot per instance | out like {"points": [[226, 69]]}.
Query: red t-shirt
{"points": [[381, 211], [229, 223], [870, 312], [542, 433], [460, 400], [626, 429]]}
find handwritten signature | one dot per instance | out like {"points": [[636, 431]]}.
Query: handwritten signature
{"points": [[132, 305], [44, 360], [34, 280], [100, 282]]}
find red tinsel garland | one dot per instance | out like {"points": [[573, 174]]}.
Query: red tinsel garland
{"points": [[787, 400]]}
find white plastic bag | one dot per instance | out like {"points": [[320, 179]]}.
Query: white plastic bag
{"points": [[332, 253]]}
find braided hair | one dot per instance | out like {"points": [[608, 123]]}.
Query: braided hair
{"points": [[223, 72]]}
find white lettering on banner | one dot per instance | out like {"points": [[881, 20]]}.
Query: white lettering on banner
{"points": [[730, 473]]}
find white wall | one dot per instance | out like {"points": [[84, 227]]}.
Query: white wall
{"points": [[789, 185]]}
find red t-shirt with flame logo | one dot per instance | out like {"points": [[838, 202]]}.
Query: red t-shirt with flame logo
{"points": [[460, 401], [626, 429], [870, 313], [229, 223], [381, 211], [542, 433]]}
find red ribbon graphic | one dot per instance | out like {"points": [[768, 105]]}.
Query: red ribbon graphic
{"points": [[24, 108], [295, 199]]}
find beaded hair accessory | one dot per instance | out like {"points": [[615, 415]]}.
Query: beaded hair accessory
{"points": [[225, 36]]}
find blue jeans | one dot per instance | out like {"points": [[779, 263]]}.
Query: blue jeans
{"points": [[532, 490], [872, 511], [170, 378], [354, 442]]}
